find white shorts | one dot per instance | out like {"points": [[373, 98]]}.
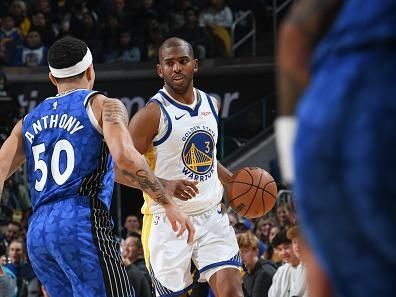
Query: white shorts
{"points": [[169, 258]]}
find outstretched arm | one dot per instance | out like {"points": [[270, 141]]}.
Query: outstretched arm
{"points": [[114, 121], [302, 29], [179, 188], [12, 154]]}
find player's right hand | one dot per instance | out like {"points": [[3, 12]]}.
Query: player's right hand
{"points": [[180, 222], [181, 188]]}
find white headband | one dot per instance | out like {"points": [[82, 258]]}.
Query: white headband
{"points": [[75, 69]]}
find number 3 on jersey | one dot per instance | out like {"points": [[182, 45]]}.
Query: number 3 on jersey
{"points": [[59, 178]]}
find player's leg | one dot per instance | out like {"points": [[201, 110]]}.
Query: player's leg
{"points": [[45, 267], [226, 283], [217, 253], [168, 258], [86, 249]]}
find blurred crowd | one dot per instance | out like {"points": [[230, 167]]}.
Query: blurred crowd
{"points": [[118, 31]]}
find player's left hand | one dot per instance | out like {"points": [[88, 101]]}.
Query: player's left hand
{"points": [[181, 188]]}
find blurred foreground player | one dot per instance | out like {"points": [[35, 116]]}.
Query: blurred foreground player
{"points": [[339, 57], [69, 142]]}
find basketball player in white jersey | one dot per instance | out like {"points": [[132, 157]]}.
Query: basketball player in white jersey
{"points": [[177, 132]]}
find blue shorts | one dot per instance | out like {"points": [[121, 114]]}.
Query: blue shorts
{"points": [[345, 154], [74, 252]]}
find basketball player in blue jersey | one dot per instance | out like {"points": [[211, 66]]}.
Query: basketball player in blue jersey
{"points": [[69, 143], [339, 58], [177, 132]]}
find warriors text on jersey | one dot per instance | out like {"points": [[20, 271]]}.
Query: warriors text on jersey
{"points": [[185, 148]]}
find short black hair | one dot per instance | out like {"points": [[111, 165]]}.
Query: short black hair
{"points": [[173, 42], [280, 238], [66, 52]]}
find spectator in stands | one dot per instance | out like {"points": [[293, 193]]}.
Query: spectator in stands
{"points": [[298, 286], [285, 216], [51, 11], [124, 17], [176, 15], [91, 34], [233, 218], [271, 253], [125, 51], [131, 226], [218, 17], [138, 279], [110, 32], [10, 37], [7, 283], [284, 276], [19, 266], [44, 27], [134, 247], [259, 272], [154, 36], [13, 232], [262, 228], [19, 13], [32, 53], [8, 29], [199, 37]]}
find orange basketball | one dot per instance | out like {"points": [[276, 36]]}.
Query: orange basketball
{"points": [[252, 192]]}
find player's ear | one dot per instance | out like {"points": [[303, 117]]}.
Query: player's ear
{"points": [[90, 73], [159, 71], [195, 65], [52, 79]]}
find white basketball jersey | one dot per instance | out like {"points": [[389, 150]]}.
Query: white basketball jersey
{"points": [[185, 148]]}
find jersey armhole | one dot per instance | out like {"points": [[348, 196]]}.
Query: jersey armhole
{"points": [[91, 116], [213, 107], [169, 122]]}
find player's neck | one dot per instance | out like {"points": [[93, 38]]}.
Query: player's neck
{"points": [[69, 86], [185, 98]]}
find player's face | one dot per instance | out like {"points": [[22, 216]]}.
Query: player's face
{"points": [[177, 68]]}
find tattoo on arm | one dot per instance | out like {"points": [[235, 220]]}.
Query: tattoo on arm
{"points": [[314, 17], [114, 112], [149, 184]]}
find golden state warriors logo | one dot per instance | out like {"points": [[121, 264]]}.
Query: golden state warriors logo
{"points": [[198, 153]]}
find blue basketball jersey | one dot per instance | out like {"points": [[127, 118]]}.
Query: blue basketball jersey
{"points": [[377, 19], [65, 151]]}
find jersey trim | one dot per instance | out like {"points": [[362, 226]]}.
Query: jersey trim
{"points": [[212, 108], [67, 93], [90, 95], [93, 120], [192, 111], [93, 183], [107, 247], [169, 130], [234, 261]]}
